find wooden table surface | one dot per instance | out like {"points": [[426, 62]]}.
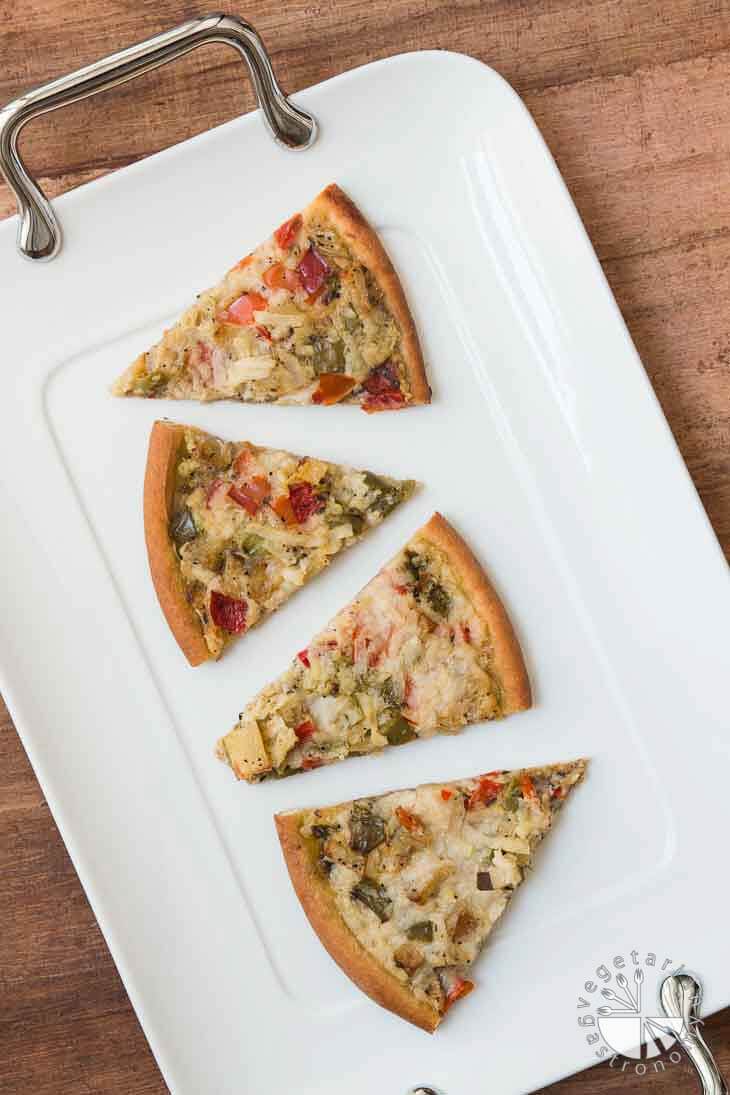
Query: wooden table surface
{"points": [[633, 97]]}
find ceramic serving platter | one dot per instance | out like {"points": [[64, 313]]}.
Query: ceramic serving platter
{"points": [[546, 448]]}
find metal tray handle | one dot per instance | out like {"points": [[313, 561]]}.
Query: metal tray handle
{"points": [[39, 233]]}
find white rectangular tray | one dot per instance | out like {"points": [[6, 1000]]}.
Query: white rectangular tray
{"points": [[544, 445]]}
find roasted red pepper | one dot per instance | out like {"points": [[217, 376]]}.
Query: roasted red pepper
{"points": [[303, 656], [241, 311], [383, 390], [332, 388], [284, 509], [286, 233], [304, 501], [446, 794], [409, 821], [250, 494], [485, 792], [228, 613], [313, 271], [280, 276], [527, 787], [459, 988], [305, 729]]}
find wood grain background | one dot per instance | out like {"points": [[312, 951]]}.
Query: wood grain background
{"points": [[633, 97]]}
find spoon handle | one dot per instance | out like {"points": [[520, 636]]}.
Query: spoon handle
{"points": [[680, 997]]}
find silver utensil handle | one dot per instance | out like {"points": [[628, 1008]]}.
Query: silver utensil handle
{"points": [[39, 233], [680, 997]]}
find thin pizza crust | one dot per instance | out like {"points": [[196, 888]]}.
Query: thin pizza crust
{"points": [[509, 663], [159, 486], [356, 962], [368, 249]]}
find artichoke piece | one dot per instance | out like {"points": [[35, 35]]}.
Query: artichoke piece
{"points": [[182, 527]]}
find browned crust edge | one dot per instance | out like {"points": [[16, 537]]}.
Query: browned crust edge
{"points": [[508, 660], [159, 485], [367, 247], [322, 913]]}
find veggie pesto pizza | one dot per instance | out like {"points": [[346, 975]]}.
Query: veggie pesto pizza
{"points": [[316, 314], [404, 889], [233, 529], [425, 648]]}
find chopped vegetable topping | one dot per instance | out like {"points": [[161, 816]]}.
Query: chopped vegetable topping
{"points": [[409, 821], [304, 501], [303, 656], [374, 897], [241, 311], [313, 271], [446, 794], [286, 233], [459, 988], [182, 527], [228, 613], [305, 729], [367, 829], [280, 276], [422, 931], [332, 388], [485, 792], [250, 495]]}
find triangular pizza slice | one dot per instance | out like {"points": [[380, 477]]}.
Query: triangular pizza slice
{"points": [[316, 314], [404, 889], [233, 529], [426, 647]]}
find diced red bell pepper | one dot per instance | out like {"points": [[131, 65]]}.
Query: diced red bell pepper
{"points": [[409, 821], [305, 729], [446, 794], [466, 633], [250, 494], [332, 388], [303, 656], [485, 792], [287, 232], [527, 787], [241, 311], [304, 501], [460, 988], [280, 276], [263, 332], [284, 509], [557, 792], [228, 613], [313, 271]]}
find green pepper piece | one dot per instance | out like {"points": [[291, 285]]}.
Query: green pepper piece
{"points": [[422, 931], [374, 897], [398, 730], [367, 829]]}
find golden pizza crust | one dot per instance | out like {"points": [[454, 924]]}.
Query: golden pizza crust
{"points": [[367, 248], [322, 913], [509, 664], [159, 487]]}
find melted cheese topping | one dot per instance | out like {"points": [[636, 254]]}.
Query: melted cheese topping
{"points": [[252, 525], [408, 658], [420, 877], [286, 338]]}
